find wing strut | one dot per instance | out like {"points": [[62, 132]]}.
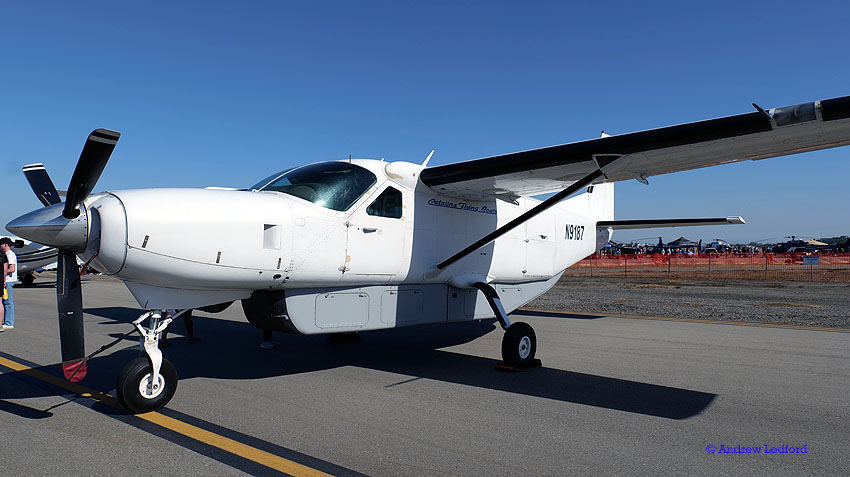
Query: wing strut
{"points": [[580, 184]]}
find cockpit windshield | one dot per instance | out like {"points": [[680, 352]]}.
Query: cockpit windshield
{"points": [[334, 185]]}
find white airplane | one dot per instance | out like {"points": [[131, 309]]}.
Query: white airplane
{"points": [[32, 257], [356, 245]]}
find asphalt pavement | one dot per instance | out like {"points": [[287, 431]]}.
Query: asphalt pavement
{"points": [[614, 396]]}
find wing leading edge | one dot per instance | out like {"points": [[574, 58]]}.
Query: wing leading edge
{"points": [[751, 136]]}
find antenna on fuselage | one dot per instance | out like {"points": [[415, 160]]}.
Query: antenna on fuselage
{"points": [[428, 158]]}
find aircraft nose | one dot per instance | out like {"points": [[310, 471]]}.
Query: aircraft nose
{"points": [[49, 227]]}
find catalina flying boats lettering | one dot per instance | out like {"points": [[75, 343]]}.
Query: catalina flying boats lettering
{"points": [[357, 245]]}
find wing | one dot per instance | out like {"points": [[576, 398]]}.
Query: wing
{"points": [[757, 135]]}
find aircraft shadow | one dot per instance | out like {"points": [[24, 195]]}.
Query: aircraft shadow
{"points": [[545, 314], [230, 350], [120, 314], [23, 411], [37, 284]]}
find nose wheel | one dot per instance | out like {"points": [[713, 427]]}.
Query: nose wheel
{"points": [[139, 391], [148, 382]]}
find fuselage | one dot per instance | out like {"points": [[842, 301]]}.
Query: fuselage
{"points": [[179, 248]]}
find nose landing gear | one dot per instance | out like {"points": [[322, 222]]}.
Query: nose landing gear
{"points": [[148, 382], [139, 391]]}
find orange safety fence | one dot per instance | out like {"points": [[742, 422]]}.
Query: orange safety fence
{"points": [[821, 267]]}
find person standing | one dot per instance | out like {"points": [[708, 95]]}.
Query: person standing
{"points": [[4, 269], [11, 278], [187, 321]]}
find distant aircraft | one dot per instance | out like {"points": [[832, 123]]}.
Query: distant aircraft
{"points": [[356, 245], [718, 246], [32, 257]]}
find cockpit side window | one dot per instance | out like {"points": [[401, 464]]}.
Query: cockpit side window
{"points": [[268, 180], [334, 185], [388, 204]]}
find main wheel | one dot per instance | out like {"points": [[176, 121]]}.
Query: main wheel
{"points": [[136, 391], [519, 345]]}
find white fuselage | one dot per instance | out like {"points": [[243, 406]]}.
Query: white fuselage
{"points": [[182, 248]]}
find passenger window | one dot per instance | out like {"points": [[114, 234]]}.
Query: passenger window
{"points": [[388, 204]]}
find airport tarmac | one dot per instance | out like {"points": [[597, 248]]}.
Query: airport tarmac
{"points": [[614, 396]]}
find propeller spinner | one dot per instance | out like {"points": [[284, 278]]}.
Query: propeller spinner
{"points": [[66, 228]]}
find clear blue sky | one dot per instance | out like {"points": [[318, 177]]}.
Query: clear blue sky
{"points": [[215, 93]]}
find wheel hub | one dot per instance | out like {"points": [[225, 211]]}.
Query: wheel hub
{"points": [[524, 347], [149, 389]]}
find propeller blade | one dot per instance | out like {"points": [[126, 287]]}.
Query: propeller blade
{"points": [[41, 184], [93, 159], [69, 302]]}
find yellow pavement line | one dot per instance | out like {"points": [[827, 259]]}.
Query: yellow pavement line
{"points": [[691, 320], [234, 447], [242, 450]]}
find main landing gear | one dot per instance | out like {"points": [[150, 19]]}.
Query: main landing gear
{"points": [[148, 382], [519, 344]]}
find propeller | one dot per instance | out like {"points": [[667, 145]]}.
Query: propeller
{"points": [[69, 233], [41, 184], [93, 159], [69, 302]]}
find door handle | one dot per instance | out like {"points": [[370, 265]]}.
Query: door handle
{"points": [[369, 230]]}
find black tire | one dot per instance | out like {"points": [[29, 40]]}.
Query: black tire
{"points": [[120, 396], [130, 380], [28, 280], [519, 345]]}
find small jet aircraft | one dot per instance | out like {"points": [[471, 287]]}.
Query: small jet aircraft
{"points": [[355, 245]]}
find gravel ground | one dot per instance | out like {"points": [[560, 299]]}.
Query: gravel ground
{"points": [[794, 303]]}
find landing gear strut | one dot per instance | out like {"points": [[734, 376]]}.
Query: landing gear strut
{"points": [[148, 382], [519, 344]]}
